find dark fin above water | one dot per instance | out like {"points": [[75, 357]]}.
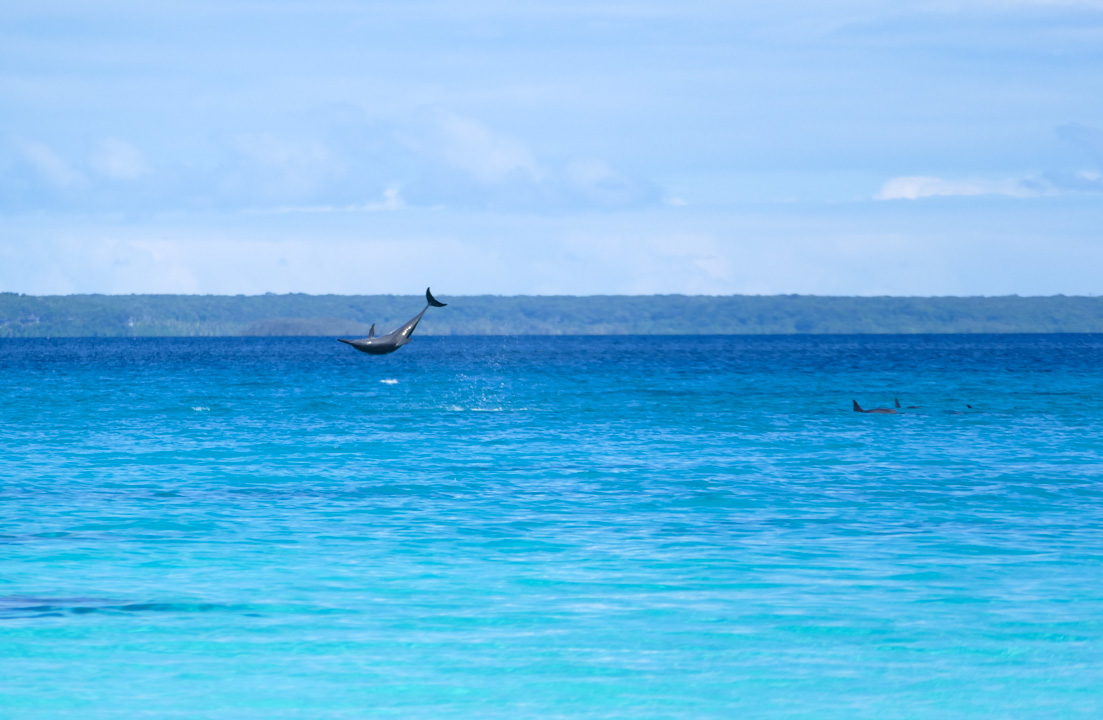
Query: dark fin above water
{"points": [[857, 407], [371, 331], [432, 300], [897, 403]]}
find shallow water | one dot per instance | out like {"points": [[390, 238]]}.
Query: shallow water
{"points": [[584, 527]]}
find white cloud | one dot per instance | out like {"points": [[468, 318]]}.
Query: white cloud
{"points": [[116, 159], [468, 145], [924, 251], [48, 164], [1086, 140], [638, 261], [273, 151], [468, 164], [596, 181], [270, 166], [392, 200], [389, 202], [914, 187]]}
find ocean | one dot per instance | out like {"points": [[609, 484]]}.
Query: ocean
{"points": [[582, 527]]}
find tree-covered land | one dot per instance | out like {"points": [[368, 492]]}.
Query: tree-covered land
{"points": [[351, 315]]}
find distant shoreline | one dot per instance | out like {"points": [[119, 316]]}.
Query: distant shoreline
{"points": [[273, 315]]}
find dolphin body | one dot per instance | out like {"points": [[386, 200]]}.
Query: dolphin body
{"points": [[879, 411], [396, 338]]}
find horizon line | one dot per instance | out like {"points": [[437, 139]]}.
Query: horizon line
{"points": [[551, 295]]}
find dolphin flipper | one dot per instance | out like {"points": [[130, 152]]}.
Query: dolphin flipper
{"points": [[432, 300]]}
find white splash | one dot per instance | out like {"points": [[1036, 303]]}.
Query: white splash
{"points": [[389, 381], [200, 408]]}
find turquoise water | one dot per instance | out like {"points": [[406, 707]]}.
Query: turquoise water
{"points": [[536, 527]]}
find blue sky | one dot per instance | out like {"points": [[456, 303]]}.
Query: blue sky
{"points": [[925, 148]]}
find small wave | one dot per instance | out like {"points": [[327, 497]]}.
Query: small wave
{"points": [[389, 381], [457, 408], [200, 408]]}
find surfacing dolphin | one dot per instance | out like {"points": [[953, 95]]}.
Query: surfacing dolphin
{"points": [[880, 411], [396, 338]]}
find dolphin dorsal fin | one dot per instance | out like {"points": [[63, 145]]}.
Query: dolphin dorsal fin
{"points": [[857, 407], [371, 331], [897, 402]]}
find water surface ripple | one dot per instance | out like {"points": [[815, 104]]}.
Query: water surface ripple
{"points": [[552, 527]]}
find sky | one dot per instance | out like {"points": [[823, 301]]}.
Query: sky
{"points": [[485, 147]]}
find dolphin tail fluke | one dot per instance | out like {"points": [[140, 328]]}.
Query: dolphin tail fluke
{"points": [[371, 334], [432, 300], [857, 407], [897, 402]]}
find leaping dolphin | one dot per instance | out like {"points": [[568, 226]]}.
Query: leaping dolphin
{"points": [[396, 338]]}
